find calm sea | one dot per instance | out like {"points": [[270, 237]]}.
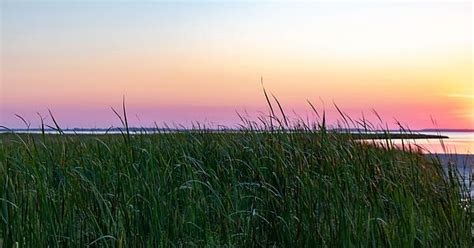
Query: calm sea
{"points": [[457, 143]]}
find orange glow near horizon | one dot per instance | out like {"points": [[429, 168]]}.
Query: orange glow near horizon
{"points": [[195, 62]]}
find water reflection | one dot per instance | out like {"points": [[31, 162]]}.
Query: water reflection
{"points": [[457, 143]]}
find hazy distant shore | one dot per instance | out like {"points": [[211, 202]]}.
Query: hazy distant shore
{"points": [[355, 133], [228, 129]]}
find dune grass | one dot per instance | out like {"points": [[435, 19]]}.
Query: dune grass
{"points": [[301, 187]]}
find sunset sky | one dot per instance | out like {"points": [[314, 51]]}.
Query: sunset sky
{"points": [[202, 61]]}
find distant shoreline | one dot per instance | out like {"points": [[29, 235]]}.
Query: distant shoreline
{"points": [[447, 130], [354, 134], [154, 129]]}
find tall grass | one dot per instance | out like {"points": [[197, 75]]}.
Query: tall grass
{"points": [[274, 183]]}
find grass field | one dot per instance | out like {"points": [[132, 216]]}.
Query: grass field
{"points": [[306, 188]]}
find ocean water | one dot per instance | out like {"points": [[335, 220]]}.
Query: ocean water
{"points": [[457, 143]]}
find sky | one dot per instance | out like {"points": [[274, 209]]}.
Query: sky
{"points": [[184, 62]]}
